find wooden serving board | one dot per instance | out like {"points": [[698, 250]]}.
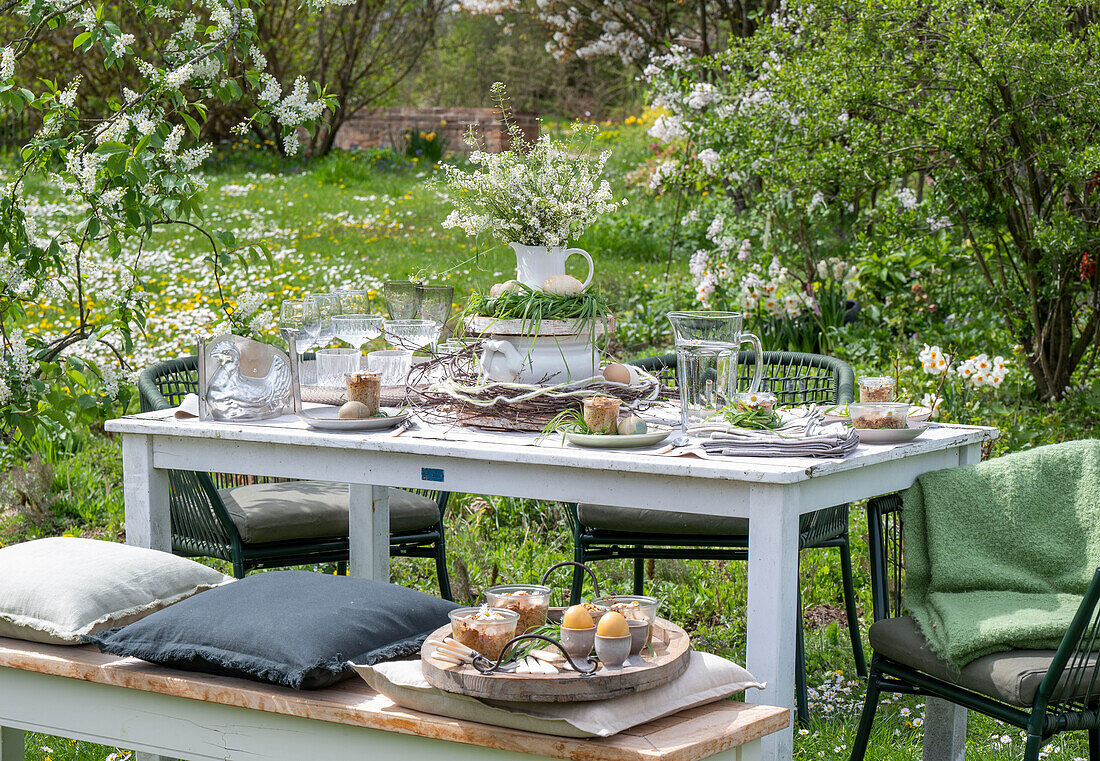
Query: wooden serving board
{"points": [[671, 646]]}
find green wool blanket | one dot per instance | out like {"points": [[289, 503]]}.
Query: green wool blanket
{"points": [[999, 554]]}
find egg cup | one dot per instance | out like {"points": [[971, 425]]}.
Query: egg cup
{"points": [[613, 651], [639, 635], [577, 643]]}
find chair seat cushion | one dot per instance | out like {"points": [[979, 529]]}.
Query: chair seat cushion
{"points": [[1012, 677], [293, 628], [279, 512], [633, 520]]}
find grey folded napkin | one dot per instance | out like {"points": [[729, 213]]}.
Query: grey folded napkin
{"points": [[800, 437]]}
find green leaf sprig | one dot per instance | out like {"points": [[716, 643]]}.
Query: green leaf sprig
{"points": [[753, 418]]}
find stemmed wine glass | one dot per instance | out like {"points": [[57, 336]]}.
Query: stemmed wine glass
{"points": [[357, 329], [300, 322], [353, 301], [329, 306], [412, 334]]}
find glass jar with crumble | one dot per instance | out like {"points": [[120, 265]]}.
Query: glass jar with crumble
{"points": [[484, 629], [877, 388], [632, 607], [529, 601], [365, 388]]}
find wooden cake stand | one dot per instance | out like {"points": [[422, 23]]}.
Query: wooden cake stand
{"points": [[669, 659]]}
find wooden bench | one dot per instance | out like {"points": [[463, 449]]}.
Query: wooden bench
{"points": [[80, 693]]}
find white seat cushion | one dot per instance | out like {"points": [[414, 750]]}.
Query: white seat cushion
{"points": [[59, 589]]}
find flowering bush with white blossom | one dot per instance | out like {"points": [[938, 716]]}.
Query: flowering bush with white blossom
{"points": [[536, 194], [127, 163], [879, 130]]}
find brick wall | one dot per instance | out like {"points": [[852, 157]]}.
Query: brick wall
{"points": [[385, 127]]}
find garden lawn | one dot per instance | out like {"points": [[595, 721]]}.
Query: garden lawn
{"points": [[355, 220]]}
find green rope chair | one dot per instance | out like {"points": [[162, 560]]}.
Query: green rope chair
{"points": [[203, 523], [1043, 692], [602, 533]]}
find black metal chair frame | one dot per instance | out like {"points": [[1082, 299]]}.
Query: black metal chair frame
{"points": [[202, 527], [1051, 711], [823, 528]]}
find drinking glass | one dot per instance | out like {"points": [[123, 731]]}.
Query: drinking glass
{"points": [[329, 306], [392, 364], [407, 300], [411, 334], [334, 364], [707, 346], [357, 329], [353, 301], [300, 322]]}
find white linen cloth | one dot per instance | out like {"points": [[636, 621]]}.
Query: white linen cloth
{"points": [[808, 436]]}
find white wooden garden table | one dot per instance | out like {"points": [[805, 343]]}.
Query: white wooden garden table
{"points": [[771, 492]]}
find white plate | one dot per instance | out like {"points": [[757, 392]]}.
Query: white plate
{"points": [[328, 419], [615, 441], [917, 413], [889, 435]]}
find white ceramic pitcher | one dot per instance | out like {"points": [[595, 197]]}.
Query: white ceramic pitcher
{"points": [[536, 263]]}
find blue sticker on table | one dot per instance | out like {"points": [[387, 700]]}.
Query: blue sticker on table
{"points": [[432, 474]]}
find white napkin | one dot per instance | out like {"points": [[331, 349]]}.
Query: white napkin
{"points": [[189, 407], [807, 436]]}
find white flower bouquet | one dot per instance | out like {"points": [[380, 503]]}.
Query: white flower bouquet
{"points": [[536, 194]]}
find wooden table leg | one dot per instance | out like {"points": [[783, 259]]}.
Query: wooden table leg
{"points": [[369, 531], [773, 596], [145, 491], [11, 744], [139, 756]]}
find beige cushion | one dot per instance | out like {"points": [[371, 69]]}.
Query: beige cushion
{"points": [[1012, 677], [57, 590], [707, 678], [634, 520], [289, 510]]}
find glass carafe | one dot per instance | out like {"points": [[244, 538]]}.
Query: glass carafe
{"points": [[707, 345]]}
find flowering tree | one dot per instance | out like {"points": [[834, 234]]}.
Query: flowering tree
{"points": [[359, 52], [911, 123], [127, 167], [631, 31]]}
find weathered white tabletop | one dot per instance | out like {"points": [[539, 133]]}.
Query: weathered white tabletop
{"points": [[771, 492]]}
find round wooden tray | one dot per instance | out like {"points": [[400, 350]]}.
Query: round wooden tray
{"points": [[671, 645]]}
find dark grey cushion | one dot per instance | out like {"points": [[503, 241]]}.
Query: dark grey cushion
{"points": [[633, 520], [1012, 677], [294, 628], [278, 512]]}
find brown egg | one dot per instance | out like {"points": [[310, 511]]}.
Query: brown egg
{"points": [[577, 617], [617, 373], [613, 625]]}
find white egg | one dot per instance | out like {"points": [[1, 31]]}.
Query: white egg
{"points": [[353, 411], [563, 285], [496, 290]]}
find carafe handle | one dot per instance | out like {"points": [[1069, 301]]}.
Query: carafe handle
{"points": [[758, 367], [591, 267]]}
